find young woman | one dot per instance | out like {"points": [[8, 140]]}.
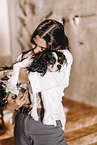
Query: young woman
{"points": [[47, 76]]}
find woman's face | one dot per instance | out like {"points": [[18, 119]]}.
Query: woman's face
{"points": [[38, 44]]}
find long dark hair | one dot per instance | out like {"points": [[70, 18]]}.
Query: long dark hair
{"points": [[53, 33]]}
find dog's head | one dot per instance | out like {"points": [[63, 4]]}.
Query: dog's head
{"points": [[60, 60]]}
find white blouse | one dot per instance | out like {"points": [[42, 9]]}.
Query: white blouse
{"points": [[51, 86]]}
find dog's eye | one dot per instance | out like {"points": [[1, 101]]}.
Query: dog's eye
{"points": [[60, 60], [52, 61]]}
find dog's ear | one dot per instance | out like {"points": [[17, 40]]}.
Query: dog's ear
{"points": [[3, 95], [50, 58]]}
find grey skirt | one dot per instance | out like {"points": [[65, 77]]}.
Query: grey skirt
{"points": [[30, 132]]}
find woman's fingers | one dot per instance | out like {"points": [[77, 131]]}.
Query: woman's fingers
{"points": [[19, 96], [24, 98], [9, 98]]}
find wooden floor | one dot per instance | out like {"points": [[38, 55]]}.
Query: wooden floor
{"points": [[81, 125], [7, 137]]}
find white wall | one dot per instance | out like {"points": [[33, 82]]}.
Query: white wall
{"points": [[9, 22], [14, 28], [5, 49]]}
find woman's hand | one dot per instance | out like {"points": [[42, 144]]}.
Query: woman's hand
{"points": [[17, 102]]}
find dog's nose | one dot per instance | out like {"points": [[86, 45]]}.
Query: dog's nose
{"points": [[59, 67]]}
